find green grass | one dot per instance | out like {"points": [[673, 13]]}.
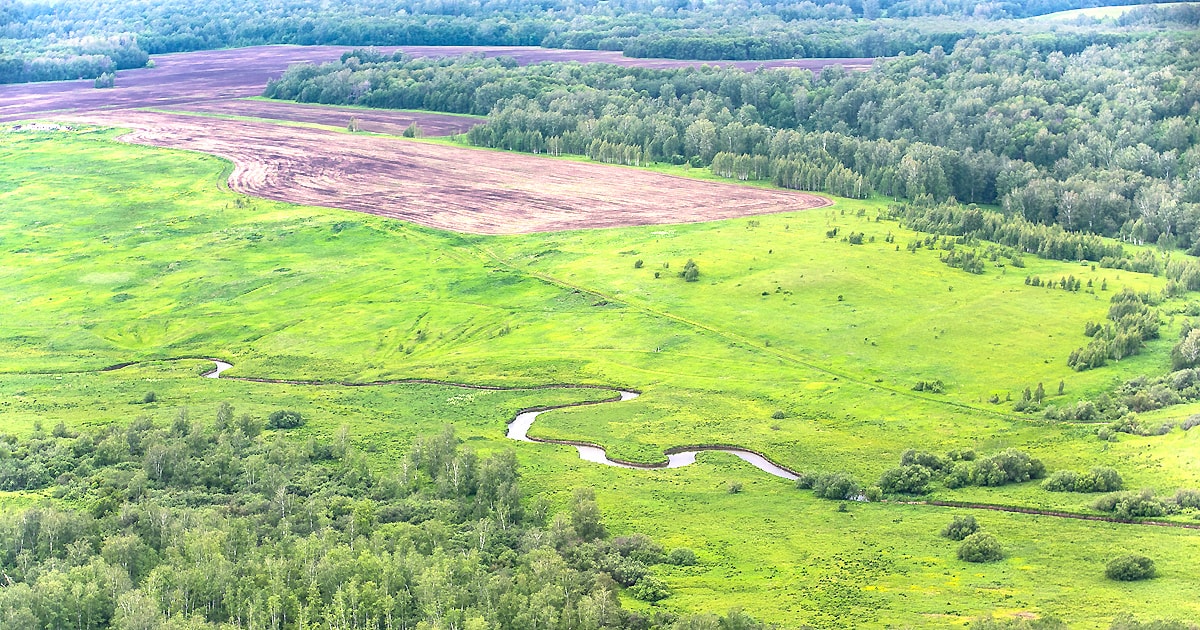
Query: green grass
{"points": [[112, 253]]}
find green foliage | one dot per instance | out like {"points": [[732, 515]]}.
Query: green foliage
{"points": [[1130, 568], [313, 520], [1099, 479], [284, 419], [911, 479], [960, 528], [980, 547], [691, 271], [1134, 322], [840, 486], [149, 398], [681, 557], [1132, 505], [933, 387], [650, 589]]}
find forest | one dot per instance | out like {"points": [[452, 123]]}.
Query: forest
{"points": [[42, 40], [228, 521], [995, 121]]}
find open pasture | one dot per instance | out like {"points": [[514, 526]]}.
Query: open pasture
{"points": [[480, 192], [113, 252]]}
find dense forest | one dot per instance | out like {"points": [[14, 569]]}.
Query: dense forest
{"points": [[43, 40], [218, 524], [1103, 141]]}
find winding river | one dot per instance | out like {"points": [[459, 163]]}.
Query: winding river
{"points": [[518, 429]]}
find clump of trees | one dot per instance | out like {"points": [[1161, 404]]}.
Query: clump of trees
{"points": [[918, 469], [1133, 321], [1145, 504], [838, 485], [210, 523], [1098, 479]]}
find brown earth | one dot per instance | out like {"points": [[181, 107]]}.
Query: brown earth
{"points": [[241, 72], [466, 190], [377, 120]]}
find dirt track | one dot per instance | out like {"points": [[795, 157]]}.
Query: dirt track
{"points": [[466, 190], [377, 120]]}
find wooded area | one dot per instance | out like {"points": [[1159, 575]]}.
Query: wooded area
{"points": [[1102, 141]]}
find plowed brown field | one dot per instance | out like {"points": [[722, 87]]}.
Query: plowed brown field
{"points": [[466, 190], [378, 120]]}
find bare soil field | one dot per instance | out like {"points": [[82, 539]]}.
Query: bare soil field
{"points": [[377, 120], [465, 190], [242, 72]]}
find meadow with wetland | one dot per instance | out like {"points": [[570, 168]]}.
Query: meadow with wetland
{"points": [[258, 363]]}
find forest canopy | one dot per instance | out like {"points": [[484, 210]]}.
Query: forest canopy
{"points": [[1102, 141]]}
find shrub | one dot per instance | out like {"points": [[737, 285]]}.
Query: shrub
{"points": [[284, 419], [681, 557], [1099, 479], [149, 398], [1130, 505], [650, 589], [1061, 481], [639, 547], [959, 476], [1007, 466], [733, 487], [909, 479], [1187, 498], [980, 547], [637, 264], [922, 458], [1192, 421], [1130, 568], [836, 486], [960, 528], [804, 480], [778, 415]]}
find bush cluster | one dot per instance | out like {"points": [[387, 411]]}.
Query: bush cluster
{"points": [[1099, 479], [839, 486], [1130, 568], [1144, 504], [980, 547]]}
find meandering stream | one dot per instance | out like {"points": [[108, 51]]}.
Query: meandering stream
{"points": [[518, 430]]}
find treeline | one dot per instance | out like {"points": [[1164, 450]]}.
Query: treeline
{"points": [[219, 525], [1096, 142], [86, 59], [1045, 241], [666, 28]]}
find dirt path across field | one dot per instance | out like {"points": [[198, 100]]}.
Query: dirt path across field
{"points": [[387, 121], [465, 190]]}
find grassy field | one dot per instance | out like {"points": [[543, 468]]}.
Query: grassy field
{"points": [[112, 253]]}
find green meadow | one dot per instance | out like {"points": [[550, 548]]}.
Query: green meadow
{"points": [[791, 342]]}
